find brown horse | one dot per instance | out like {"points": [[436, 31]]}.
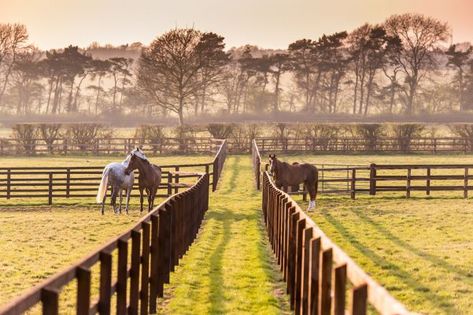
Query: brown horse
{"points": [[286, 175], [149, 178]]}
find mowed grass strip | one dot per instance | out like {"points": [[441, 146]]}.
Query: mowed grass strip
{"points": [[229, 269], [420, 249]]}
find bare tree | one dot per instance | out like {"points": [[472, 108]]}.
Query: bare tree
{"points": [[169, 69], [13, 39], [419, 36]]}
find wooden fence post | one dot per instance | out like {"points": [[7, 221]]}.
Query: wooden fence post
{"points": [[144, 294], [408, 185], [50, 299], [299, 252], [135, 272], [8, 183], [105, 283], [83, 291], [353, 184], [360, 295], [339, 290], [315, 245], [326, 281], [427, 190], [372, 179], [465, 184], [122, 275], [169, 184], [68, 182], [215, 174], [50, 189], [153, 288], [176, 179]]}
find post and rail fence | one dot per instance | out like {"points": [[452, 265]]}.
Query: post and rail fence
{"points": [[342, 145], [146, 255], [345, 145], [381, 178], [317, 272], [82, 181], [106, 146]]}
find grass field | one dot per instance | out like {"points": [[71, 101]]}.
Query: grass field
{"points": [[420, 249], [229, 270], [37, 240]]}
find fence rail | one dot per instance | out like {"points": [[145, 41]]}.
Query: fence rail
{"points": [[82, 182], [103, 146], [379, 178], [358, 145], [309, 261], [154, 246]]}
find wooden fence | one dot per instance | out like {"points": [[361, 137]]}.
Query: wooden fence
{"points": [[376, 178], [104, 146], [82, 182], [256, 158], [315, 269], [359, 145], [146, 254]]}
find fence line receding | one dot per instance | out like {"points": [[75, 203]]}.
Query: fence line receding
{"points": [[317, 272]]}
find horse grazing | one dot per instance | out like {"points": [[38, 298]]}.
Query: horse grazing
{"points": [[286, 175], [115, 175], [149, 178]]}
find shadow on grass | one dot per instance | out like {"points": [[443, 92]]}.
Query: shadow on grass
{"points": [[216, 295], [436, 300], [467, 275], [235, 172]]}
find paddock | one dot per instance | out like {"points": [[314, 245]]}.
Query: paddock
{"points": [[418, 247]]}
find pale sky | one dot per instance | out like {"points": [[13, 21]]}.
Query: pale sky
{"points": [[266, 23]]}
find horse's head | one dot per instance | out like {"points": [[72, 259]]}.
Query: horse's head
{"points": [[135, 159], [272, 164]]}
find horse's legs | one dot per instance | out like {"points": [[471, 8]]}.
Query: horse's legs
{"points": [[103, 202], [153, 196], [128, 193], [312, 189], [121, 199], [141, 199], [115, 190], [148, 193]]}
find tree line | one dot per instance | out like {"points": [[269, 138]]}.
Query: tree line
{"points": [[401, 66]]}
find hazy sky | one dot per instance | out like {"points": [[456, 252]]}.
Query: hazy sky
{"points": [[266, 23]]}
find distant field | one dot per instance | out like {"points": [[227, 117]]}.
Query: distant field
{"points": [[420, 249]]}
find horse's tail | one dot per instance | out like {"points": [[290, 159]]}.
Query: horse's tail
{"points": [[103, 185]]}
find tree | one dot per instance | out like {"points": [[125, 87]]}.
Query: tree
{"points": [[459, 57], [119, 69], [210, 51], [302, 62], [419, 36], [13, 38], [24, 76], [169, 70], [279, 64], [100, 68]]}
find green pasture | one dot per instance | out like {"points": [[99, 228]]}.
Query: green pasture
{"points": [[420, 249], [229, 269]]}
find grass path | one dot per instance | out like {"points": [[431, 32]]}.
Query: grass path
{"points": [[229, 268]]}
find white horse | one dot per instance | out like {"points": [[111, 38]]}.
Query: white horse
{"points": [[114, 173]]}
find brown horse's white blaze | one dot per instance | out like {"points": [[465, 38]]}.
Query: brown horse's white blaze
{"points": [[286, 175]]}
